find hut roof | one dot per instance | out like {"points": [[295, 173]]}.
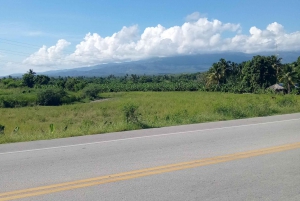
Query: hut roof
{"points": [[276, 87]]}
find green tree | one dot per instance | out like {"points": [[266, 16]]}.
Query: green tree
{"points": [[276, 65], [258, 73], [288, 76], [298, 61], [217, 73], [41, 79], [28, 78], [134, 78], [71, 83]]}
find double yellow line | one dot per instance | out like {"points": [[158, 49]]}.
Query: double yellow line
{"points": [[140, 173]]}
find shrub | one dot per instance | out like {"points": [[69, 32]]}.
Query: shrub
{"points": [[50, 97], [14, 84], [91, 91], [69, 99], [130, 113], [12, 101]]}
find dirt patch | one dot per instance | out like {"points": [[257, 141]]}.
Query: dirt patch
{"points": [[100, 100]]}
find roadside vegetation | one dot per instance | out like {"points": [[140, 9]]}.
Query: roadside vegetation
{"points": [[136, 110], [37, 107]]}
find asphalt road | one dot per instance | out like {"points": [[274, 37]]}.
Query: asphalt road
{"points": [[250, 159]]}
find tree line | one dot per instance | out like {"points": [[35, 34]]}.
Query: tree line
{"points": [[253, 76]]}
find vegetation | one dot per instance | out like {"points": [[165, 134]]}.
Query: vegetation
{"points": [[29, 105], [136, 110], [253, 76]]}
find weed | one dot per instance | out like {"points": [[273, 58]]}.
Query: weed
{"points": [[137, 110], [287, 101], [16, 129], [51, 128], [230, 111], [104, 112], [2, 129], [86, 124], [130, 113], [66, 128]]}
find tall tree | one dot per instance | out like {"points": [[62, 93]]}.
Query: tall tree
{"points": [[288, 76], [218, 72], [298, 61], [41, 79], [215, 74], [276, 65], [258, 73], [28, 78]]}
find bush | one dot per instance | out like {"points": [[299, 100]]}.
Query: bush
{"points": [[130, 113], [14, 84], [50, 97], [68, 99], [12, 101], [91, 91]]}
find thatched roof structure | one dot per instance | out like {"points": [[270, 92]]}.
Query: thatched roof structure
{"points": [[276, 87]]}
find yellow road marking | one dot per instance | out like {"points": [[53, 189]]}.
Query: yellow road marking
{"points": [[140, 173]]}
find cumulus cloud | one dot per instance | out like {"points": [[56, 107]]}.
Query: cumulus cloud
{"points": [[264, 40], [48, 56], [197, 35], [118, 47]]}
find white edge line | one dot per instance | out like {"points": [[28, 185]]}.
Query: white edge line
{"points": [[149, 136]]}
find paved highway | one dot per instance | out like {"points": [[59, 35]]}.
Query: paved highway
{"points": [[249, 159]]}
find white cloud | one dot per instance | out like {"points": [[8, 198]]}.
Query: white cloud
{"points": [[94, 48], [53, 55], [264, 40], [8, 68], [194, 16], [34, 33], [196, 35]]}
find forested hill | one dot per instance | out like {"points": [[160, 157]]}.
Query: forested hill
{"points": [[167, 65]]}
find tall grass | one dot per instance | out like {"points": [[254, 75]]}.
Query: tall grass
{"points": [[151, 109]]}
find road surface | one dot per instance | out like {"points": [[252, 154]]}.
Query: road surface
{"points": [[249, 159]]}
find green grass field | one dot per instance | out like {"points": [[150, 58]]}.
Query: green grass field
{"points": [[154, 109]]}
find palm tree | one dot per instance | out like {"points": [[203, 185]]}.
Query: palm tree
{"points": [[31, 72], [216, 73], [288, 76], [276, 65]]}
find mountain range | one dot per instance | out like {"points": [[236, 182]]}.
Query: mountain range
{"points": [[163, 65]]}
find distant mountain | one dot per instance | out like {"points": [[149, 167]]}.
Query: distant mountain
{"points": [[164, 65], [154, 66]]}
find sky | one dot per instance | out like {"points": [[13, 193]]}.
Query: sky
{"points": [[63, 34]]}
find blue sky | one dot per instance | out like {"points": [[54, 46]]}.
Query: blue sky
{"points": [[46, 35]]}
